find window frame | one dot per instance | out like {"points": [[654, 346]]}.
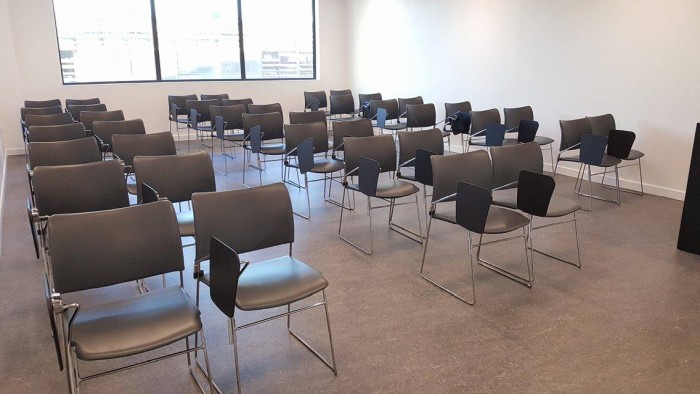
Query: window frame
{"points": [[156, 52]]}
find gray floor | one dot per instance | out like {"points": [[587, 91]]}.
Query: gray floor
{"points": [[627, 321]]}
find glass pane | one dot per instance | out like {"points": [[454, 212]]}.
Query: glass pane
{"points": [[278, 44], [105, 40], [198, 39]]}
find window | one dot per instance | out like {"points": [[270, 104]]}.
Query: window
{"points": [[171, 40], [106, 40]]}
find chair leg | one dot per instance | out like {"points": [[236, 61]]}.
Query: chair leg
{"points": [[331, 365], [590, 187], [371, 235], [551, 157], [233, 340]]}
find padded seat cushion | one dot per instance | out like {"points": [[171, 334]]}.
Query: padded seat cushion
{"points": [[135, 325], [325, 166], [273, 149], [499, 220], [276, 282], [391, 189], [558, 206], [186, 222]]}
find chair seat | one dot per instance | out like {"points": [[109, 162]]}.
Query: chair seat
{"points": [[273, 149], [391, 189], [558, 206], [608, 161], [543, 140], [276, 282], [394, 126], [326, 166], [510, 141], [135, 325], [407, 177], [186, 222], [634, 155], [501, 220], [237, 137]]}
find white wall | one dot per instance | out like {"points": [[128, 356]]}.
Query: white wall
{"points": [[31, 36], [636, 59]]}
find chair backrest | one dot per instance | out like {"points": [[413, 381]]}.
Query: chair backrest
{"points": [[364, 103], [527, 130], [534, 192], [307, 117], [42, 103], [620, 143], [224, 270], [513, 116], [244, 219], [76, 109], [105, 129], [481, 118], [571, 132], [473, 167], [232, 115], [342, 104], [352, 128], [403, 102], [495, 133], [175, 177], [411, 141], [80, 188], [420, 115], [320, 96], [55, 133], [453, 108], [128, 146], [88, 101], [59, 153], [271, 124], [217, 97], [390, 105], [48, 120], [202, 108], [473, 203], [24, 112], [508, 161], [89, 117], [295, 134], [180, 103], [265, 108], [97, 249], [380, 148], [593, 149], [602, 124], [245, 101], [342, 92]]}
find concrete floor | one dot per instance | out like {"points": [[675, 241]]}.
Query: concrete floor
{"points": [[628, 321]]}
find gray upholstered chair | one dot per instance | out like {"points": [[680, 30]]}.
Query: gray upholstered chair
{"points": [[127, 146], [55, 133], [364, 103], [266, 139], [80, 151], [571, 132], [200, 119], [101, 249], [342, 105], [177, 112], [303, 142], [453, 113], [228, 127], [42, 103], [105, 129], [448, 171], [479, 121], [367, 158], [358, 127], [61, 118], [87, 101], [403, 102], [265, 108], [244, 101], [176, 177], [386, 114], [420, 116], [602, 125], [234, 218], [307, 117], [89, 117], [24, 111], [217, 97], [314, 101], [513, 117], [593, 148], [76, 109]]}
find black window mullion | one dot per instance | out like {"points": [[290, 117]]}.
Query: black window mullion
{"points": [[156, 50], [240, 39]]}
